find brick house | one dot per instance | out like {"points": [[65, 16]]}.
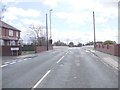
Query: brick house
{"points": [[9, 40]]}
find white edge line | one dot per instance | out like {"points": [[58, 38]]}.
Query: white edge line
{"points": [[41, 79], [29, 58], [12, 62], [19, 60], [60, 59], [25, 59], [4, 65], [6, 62]]}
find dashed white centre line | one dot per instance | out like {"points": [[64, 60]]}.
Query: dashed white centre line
{"points": [[41, 80], [60, 59]]}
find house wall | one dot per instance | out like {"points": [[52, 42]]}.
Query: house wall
{"points": [[6, 51]]}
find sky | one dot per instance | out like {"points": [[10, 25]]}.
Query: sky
{"points": [[71, 20]]}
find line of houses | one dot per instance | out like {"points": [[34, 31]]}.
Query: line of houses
{"points": [[9, 40]]}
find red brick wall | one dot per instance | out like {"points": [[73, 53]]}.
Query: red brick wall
{"points": [[110, 49], [3, 32], [14, 33], [19, 35], [42, 48]]}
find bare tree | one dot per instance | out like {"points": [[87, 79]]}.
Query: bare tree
{"points": [[37, 35]]}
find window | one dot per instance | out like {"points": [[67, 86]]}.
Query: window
{"points": [[13, 43], [10, 32], [1, 42], [16, 34], [8, 43]]}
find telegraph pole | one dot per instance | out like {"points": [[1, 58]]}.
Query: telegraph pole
{"points": [[47, 31], [94, 30]]}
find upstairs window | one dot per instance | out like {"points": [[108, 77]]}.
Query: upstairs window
{"points": [[10, 32], [16, 34]]}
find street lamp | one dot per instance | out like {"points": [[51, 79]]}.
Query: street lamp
{"points": [[50, 26]]}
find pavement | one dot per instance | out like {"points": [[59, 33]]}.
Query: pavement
{"points": [[111, 60], [6, 59], [60, 68]]}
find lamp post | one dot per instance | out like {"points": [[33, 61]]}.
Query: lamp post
{"points": [[50, 24], [50, 39], [94, 30]]}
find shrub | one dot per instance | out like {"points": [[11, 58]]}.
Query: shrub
{"points": [[107, 42]]}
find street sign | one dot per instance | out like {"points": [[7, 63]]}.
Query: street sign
{"points": [[14, 49]]}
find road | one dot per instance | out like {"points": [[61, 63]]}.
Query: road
{"points": [[60, 68]]}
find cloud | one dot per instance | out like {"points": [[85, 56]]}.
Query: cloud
{"points": [[73, 17], [81, 12], [51, 3], [20, 12], [31, 21]]}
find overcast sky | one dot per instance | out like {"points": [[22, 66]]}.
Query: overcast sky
{"points": [[72, 20]]}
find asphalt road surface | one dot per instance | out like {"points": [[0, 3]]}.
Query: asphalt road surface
{"points": [[60, 68]]}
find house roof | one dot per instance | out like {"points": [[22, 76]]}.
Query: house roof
{"points": [[5, 25]]}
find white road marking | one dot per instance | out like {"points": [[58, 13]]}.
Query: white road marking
{"points": [[60, 59], [4, 65], [20, 60], [6, 62], [86, 51], [25, 59], [29, 58], [12, 62], [93, 54], [66, 52], [41, 79], [92, 50]]}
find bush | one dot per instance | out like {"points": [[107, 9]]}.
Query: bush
{"points": [[109, 42]]}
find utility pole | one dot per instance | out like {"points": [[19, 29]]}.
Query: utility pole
{"points": [[94, 30], [47, 31]]}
